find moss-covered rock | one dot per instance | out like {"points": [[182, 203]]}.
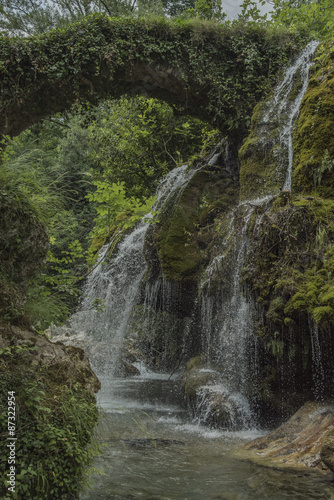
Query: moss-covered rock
{"points": [[313, 141], [53, 388], [186, 222], [261, 174], [23, 246]]}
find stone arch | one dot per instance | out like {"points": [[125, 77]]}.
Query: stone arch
{"points": [[213, 72]]}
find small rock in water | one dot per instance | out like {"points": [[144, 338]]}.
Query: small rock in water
{"points": [[145, 442]]}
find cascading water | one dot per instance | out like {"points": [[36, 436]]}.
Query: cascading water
{"points": [[227, 318], [115, 284], [227, 314], [285, 105]]}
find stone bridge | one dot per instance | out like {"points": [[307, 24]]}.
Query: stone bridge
{"points": [[213, 72]]}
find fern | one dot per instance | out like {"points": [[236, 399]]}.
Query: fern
{"points": [[326, 166]]}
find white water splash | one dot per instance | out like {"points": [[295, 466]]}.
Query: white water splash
{"points": [[217, 404]]}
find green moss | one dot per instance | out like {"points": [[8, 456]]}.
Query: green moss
{"points": [[260, 172], [313, 136], [291, 264], [186, 226]]}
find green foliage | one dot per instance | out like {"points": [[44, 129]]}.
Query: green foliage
{"points": [[250, 11], [316, 16], [53, 183], [53, 428], [137, 141], [23, 17], [209, 9], [112, 201]]}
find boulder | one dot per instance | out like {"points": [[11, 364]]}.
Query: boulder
{"points": [[303, 441], [63, 365], [211, 400]]}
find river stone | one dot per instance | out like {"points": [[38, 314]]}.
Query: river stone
{"points": [[298, 443], [327, 451]]}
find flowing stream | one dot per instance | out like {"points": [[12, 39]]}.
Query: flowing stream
{"points": [[153, 451]]}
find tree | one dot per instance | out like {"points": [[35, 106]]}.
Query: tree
{"points": [[137, 141], [314, 16], [28, 17]]}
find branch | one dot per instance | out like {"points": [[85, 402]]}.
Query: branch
{"points": [[165, 147], [57, 123], [106, 7]]}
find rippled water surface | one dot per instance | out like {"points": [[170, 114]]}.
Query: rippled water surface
{"points": [[153, 451]]}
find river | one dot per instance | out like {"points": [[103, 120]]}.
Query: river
{"points": [[154, 451]]}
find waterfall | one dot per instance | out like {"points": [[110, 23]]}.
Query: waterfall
{"points": [[227, 326], [227, 312], [227, 320], [285, 107], [115, 284]]}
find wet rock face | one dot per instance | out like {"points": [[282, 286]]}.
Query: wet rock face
{"points": [[303, 441]]}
